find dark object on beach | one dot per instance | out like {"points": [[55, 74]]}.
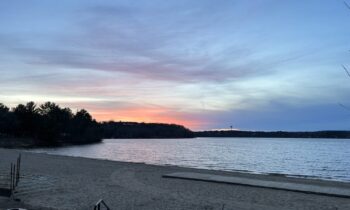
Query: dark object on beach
{"points": [[12, 181], [5, 192], [16, 209], [99, 204]]}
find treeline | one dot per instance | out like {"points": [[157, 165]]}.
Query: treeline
{"points": [[275, 134], [144, 130], [49, 124]]}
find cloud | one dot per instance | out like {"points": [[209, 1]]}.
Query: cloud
{"points": [[181, 42], [168, 45], [187, 61]]}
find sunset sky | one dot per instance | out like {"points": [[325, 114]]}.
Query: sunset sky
{"points": [[255, 65]]}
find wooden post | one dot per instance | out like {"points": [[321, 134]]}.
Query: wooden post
{"points": [[19, 171], [17, 174], [19, 163], [11, 178], [14, 177]]}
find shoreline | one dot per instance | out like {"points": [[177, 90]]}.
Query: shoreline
{"points": [[330, 134], [236, 172], [274, 174], [63, 180], [233, 172], [240, 173], [31, 143]]}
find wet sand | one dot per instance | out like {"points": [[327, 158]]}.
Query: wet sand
{"points": [[59, 182]]}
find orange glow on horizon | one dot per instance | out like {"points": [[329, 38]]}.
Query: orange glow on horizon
{"points": [[147, 115]]}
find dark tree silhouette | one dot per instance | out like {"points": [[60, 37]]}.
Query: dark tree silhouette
{"points": [[84, 128], [54, 122], [28, 119], [144, 130], [51, 125], [48, 124], [4, 119]]}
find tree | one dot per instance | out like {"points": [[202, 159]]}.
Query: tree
{"points": [[344, 67], [28, 118], [48, 124], [54, 122], [4, 118]]}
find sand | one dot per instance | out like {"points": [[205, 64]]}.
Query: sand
{"points": [[59, 182]]}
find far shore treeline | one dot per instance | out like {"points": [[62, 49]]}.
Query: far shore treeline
{"points": [[49, 124], [275, 134]]}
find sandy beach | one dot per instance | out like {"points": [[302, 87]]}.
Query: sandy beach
{"points": [[59, 182]]}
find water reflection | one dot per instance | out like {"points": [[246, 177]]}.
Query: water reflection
{"points": [[322, 158]]}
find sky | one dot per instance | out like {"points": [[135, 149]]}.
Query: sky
{"points": [[209, 64]]}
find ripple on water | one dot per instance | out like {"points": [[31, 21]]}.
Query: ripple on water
{"points": [[314, 158]]}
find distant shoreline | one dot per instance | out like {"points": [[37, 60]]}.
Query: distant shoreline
{"points": [[275, 134], [30, 143], [22, 142]]}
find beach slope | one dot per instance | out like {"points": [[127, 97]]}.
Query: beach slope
{"points": [[59, 182]]}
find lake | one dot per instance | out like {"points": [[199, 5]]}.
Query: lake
{"points": [[313, 158]]}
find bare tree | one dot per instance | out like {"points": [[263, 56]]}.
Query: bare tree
{"points": [[344, 67], [347, 4]]}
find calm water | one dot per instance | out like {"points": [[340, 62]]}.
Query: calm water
{"points": [[315, 158]]}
